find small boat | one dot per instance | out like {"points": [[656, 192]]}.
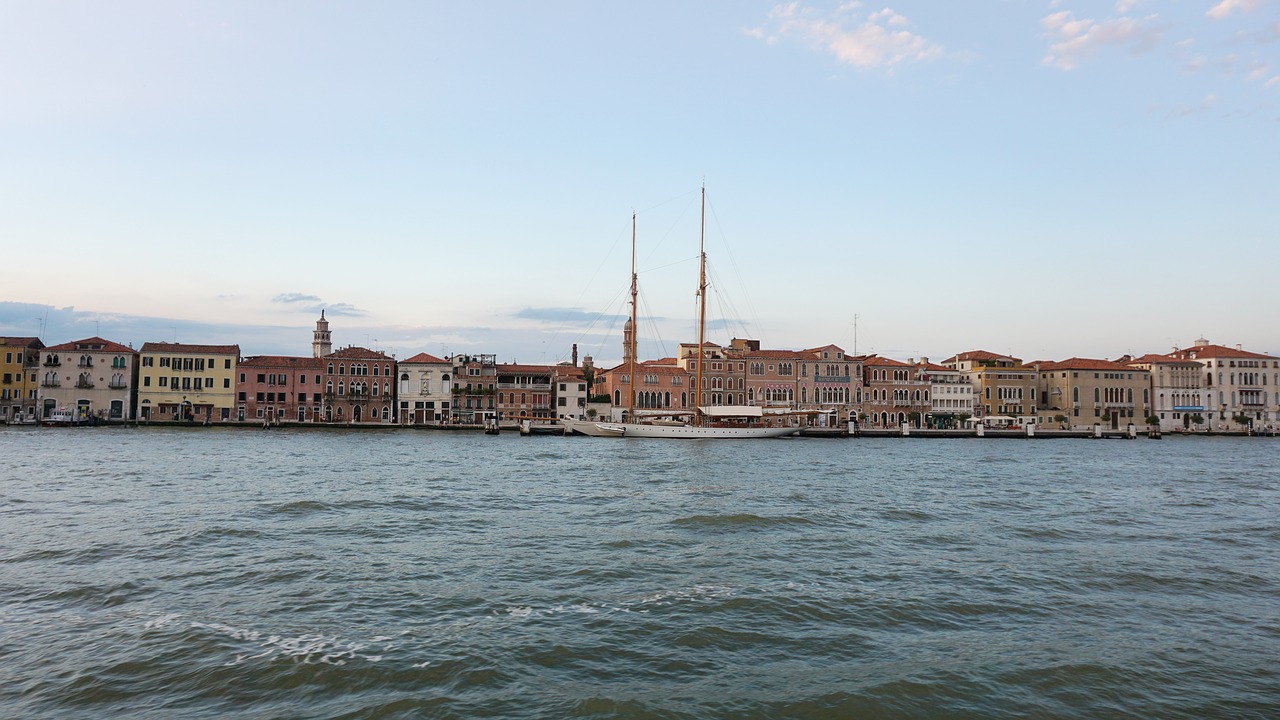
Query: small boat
{"points": [[60, 417]]}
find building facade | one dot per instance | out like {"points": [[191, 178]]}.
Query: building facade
{"points": [[96, 379], [1089, 392], [1178, 395], [1241, 385], [359, 386], [475, 391], [1004, 389], [524, 392], [425, 394], [19, 379], [279, 389], [189, 383]]}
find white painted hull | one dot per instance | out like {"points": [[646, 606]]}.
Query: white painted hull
{"points": [[637, 430], [587, 427]]}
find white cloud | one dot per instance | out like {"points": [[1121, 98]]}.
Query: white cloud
{"points": [[1204, 105], [1124, 6], [1078, 39], [880, 40], [1225, 8]]}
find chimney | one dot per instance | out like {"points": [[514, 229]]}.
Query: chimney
{"points": [[1238, 347], [575, 354]]}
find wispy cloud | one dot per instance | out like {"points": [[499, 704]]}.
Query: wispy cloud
{"points": [[1204, 105], [295, 298], [1075, 40], [314, 304], [878, 39], [1226, 7], [573, 316]]}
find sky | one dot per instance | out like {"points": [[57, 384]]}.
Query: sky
{"points": [[1041, 178]]}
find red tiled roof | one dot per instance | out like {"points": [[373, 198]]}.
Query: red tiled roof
{"points": [[531, 369], [107, 346], [425, 358], [978, 355], [281, 360], [162, 347], [1218, 351], [876, 360], [357, 353], [1151, 358], [1087, 364], [31, 342]]}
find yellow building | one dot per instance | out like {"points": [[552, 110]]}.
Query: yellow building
{"points": [[1095, 392], [193, 383], [19, 373], [1004, 390]]}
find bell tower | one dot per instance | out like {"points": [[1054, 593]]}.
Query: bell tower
{"points": [[321, 344]]}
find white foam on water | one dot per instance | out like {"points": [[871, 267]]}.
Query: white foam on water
{"points": [[161, 621]]}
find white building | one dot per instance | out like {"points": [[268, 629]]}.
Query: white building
{"points": [[1239, 383], [950, 393], [1178, 394], [426, 383], [569, 392]]}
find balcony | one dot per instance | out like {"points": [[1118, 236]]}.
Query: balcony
{"points": [[842, 379], [87, 362], [117, 384], [52, 362], [47, 382], [84, 384]]}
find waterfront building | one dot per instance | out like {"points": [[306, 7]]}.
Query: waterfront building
{"points": [[569, 392], [661, 385], [279, 388], [193, 383], [425, 390], [1086, 391], [20, 387], [724, 374], [950, 393], [830, 385], [524, 392], [96, 379], [475, 380], [1242, 385], [894, 392], [1002, 385], [1178, 395], [359, 386]]}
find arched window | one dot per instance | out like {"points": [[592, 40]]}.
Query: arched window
{"points": [[617, 398], [330, 368], [342, 388]]}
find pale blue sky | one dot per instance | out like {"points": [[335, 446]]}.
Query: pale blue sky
{"points": [[1049, 179]]}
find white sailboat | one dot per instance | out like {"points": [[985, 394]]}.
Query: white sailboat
{"points": [[718, 421]]}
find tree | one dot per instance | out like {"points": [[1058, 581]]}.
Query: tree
{"points": [[1153, 419], [1240, 419], [913, 417], [589, 375], [963, 417], [1197, 419]]}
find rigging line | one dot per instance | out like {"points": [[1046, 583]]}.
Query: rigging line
{"points": [[755, 316], [723, 300], [653, 326], [653, 249], [664, 267]]}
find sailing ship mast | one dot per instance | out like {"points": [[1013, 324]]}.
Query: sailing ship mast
{"points": [[702, 309], [631, 349]]}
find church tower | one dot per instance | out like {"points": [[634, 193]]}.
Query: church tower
{"points": [[320, 342], [627, 341]]}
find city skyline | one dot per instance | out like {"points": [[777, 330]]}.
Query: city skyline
{"points": [[1048, 180]]}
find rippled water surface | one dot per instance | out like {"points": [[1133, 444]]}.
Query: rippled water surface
{"points": [[214, 573]]}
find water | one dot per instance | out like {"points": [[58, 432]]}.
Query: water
{"points": [[208, 573]]}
